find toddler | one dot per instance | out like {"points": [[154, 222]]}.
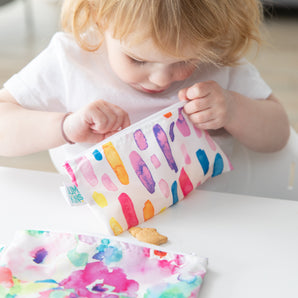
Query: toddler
{"points": [[118, 61]]}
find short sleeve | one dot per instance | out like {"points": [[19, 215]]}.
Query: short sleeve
{"points": [[245, 79], [40, 84]]}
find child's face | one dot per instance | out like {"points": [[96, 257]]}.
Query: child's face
{"points": [[144, 67]]}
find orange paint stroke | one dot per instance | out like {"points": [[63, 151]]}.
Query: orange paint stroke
{"points": [[148, 210], [115, 162], [160, 253], [168, 115]]}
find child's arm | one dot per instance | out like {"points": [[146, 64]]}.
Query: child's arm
{"points": [[261, 125], [24, 131]]}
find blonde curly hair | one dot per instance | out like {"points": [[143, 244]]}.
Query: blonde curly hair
{"points": [[218, 31]]}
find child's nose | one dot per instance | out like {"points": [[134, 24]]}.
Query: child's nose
{"points": [[161, 77]]}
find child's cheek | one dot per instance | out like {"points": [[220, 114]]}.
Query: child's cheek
{"points": [[129, 76], [183, 74]]}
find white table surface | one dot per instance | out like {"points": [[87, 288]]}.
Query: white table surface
{"points": [[251, 243]]}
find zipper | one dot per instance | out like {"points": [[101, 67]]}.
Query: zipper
{"points": [[202, 260], [149, 118], [134, 126]]}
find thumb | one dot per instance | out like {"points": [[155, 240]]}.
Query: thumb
{"points": [[182, 94]]}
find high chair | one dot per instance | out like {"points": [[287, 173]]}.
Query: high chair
{"points": [[273, 175]]}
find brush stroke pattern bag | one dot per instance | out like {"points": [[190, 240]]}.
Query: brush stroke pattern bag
{"points": [[142, 170]]}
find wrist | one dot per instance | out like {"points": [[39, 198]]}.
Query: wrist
{"points": [[64, 135]]}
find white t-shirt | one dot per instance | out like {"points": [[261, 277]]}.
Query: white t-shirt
{"points": [[64, 78]]}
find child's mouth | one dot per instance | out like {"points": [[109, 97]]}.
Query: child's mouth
{"points": [[151, 90]]}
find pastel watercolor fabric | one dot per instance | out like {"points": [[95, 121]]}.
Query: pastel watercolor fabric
{"points": [[42, 264], [142, 170]]}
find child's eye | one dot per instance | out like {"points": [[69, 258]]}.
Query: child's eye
{"points": [[186, 63], [135, 61]]}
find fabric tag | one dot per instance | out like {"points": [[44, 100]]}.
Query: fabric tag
{"points": [[72, 195]]}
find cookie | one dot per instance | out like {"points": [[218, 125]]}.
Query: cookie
{"points": [[149, 235]]}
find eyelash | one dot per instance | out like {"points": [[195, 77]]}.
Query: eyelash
{"points": [[187, 63], [138, 62]]}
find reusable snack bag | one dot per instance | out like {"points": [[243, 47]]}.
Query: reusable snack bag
{"points": [[142, 170], [41, 264]]}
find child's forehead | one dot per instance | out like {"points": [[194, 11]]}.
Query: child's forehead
{"points": [[147, 50]]}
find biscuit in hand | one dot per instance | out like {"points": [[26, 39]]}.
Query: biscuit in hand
{"points": [[149, 235]]}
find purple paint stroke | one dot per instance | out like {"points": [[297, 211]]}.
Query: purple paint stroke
{"points": [[140, 139], [142, 171], [40, 255], [182, 124], [164, 145], [171, 132]]}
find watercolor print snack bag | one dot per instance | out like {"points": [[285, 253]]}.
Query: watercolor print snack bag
{"points": [[50, 264], [142, 170]]}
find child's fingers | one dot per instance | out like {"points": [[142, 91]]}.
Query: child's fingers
{"points": [[98, 121], [182, 94], [201, 117], [94, 138], [196, 105], [208, 125], [121, 119], [108, 117], [198, 90], [125, 121], [206, 119]]}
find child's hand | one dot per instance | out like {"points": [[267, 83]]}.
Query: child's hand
{"points": [[95, 122], [208, 106]]}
